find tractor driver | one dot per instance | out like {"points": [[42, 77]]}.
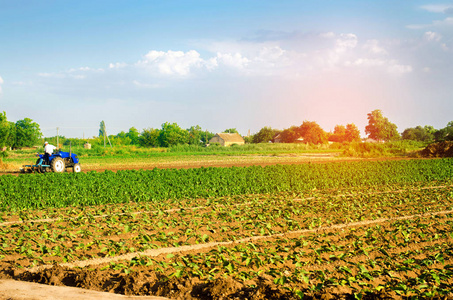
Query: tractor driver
{"points": [[48, 150]]}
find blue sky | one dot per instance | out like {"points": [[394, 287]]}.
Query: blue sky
{"points": [[224, 64]]}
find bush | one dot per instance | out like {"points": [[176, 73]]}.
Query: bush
{"points": [[396, 148]]}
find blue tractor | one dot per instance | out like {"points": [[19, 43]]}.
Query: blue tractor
{"points": [[58, 162]]}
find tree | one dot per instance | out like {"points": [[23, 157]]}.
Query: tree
{"points": [[380, 128], [352, 133], [289, 135], [121, 139], [149, 138], [206, 136], [172, 134], [339, 134], [342, 134], [230, 130], [195, 135], [5, 131], [27, 133], [312, 133], [133, 134], [265, 135], [102, 130], [449, 131], [445, 133], [418, 133]]}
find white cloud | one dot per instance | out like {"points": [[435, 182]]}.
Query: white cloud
{"points": [[391, 66], [331, 56], [435, 37], [271, 54], [172, 62], [438, 8], [395, 68], [52, 75], [308, 56], [432, 36], [117, 65], [346, 42], [327, 35], [366, 62], [374, 47], [235, 60], [447, 22], [144, 85]]}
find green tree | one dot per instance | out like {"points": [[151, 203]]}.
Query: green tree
{"points": [[449, 131], [380, 128], [312, 133], [418, 133], [121, 135], [352, 133], [289, 135], [195, 135], [6, 131], [27, 133], [265, 135], [206, 136], [102, 130], [339, 134], [133, 134], [172, 134], [230, 130], [445, 133], [121, 139], [149, 138]]}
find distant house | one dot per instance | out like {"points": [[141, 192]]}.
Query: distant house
{"points": [[227, 139], [278, 139], [373, 141]]}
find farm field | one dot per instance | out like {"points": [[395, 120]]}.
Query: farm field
{"points": [[118, 162], [365, 230]]}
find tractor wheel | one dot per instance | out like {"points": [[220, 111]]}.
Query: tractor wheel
{"points": [[77, 168], [57, 165]]}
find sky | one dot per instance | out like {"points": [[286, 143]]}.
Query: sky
{"points": [[241, 64]]}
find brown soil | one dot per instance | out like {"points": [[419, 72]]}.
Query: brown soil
{"points": [[442, 149], [260, 161], [146, 280], [20, 290], [308, 158]]}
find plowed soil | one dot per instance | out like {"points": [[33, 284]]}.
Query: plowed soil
{"points": [[333, 233], [214, 161]]}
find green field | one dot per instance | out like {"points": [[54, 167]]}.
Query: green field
{"points": [[363, 229]]}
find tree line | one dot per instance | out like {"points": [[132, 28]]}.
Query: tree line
{"points": [[26, 133], [23, 133]]}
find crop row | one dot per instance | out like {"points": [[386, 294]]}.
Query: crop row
{"points": [[84, 189], [411, 258], [79, 234]]}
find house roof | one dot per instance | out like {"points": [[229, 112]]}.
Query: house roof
{"points": [[231, 137]]}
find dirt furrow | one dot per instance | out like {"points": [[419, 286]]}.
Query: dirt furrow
{"points": [[157, 252]]}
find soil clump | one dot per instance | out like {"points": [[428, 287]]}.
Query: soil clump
{"points": [[441, 149]]}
